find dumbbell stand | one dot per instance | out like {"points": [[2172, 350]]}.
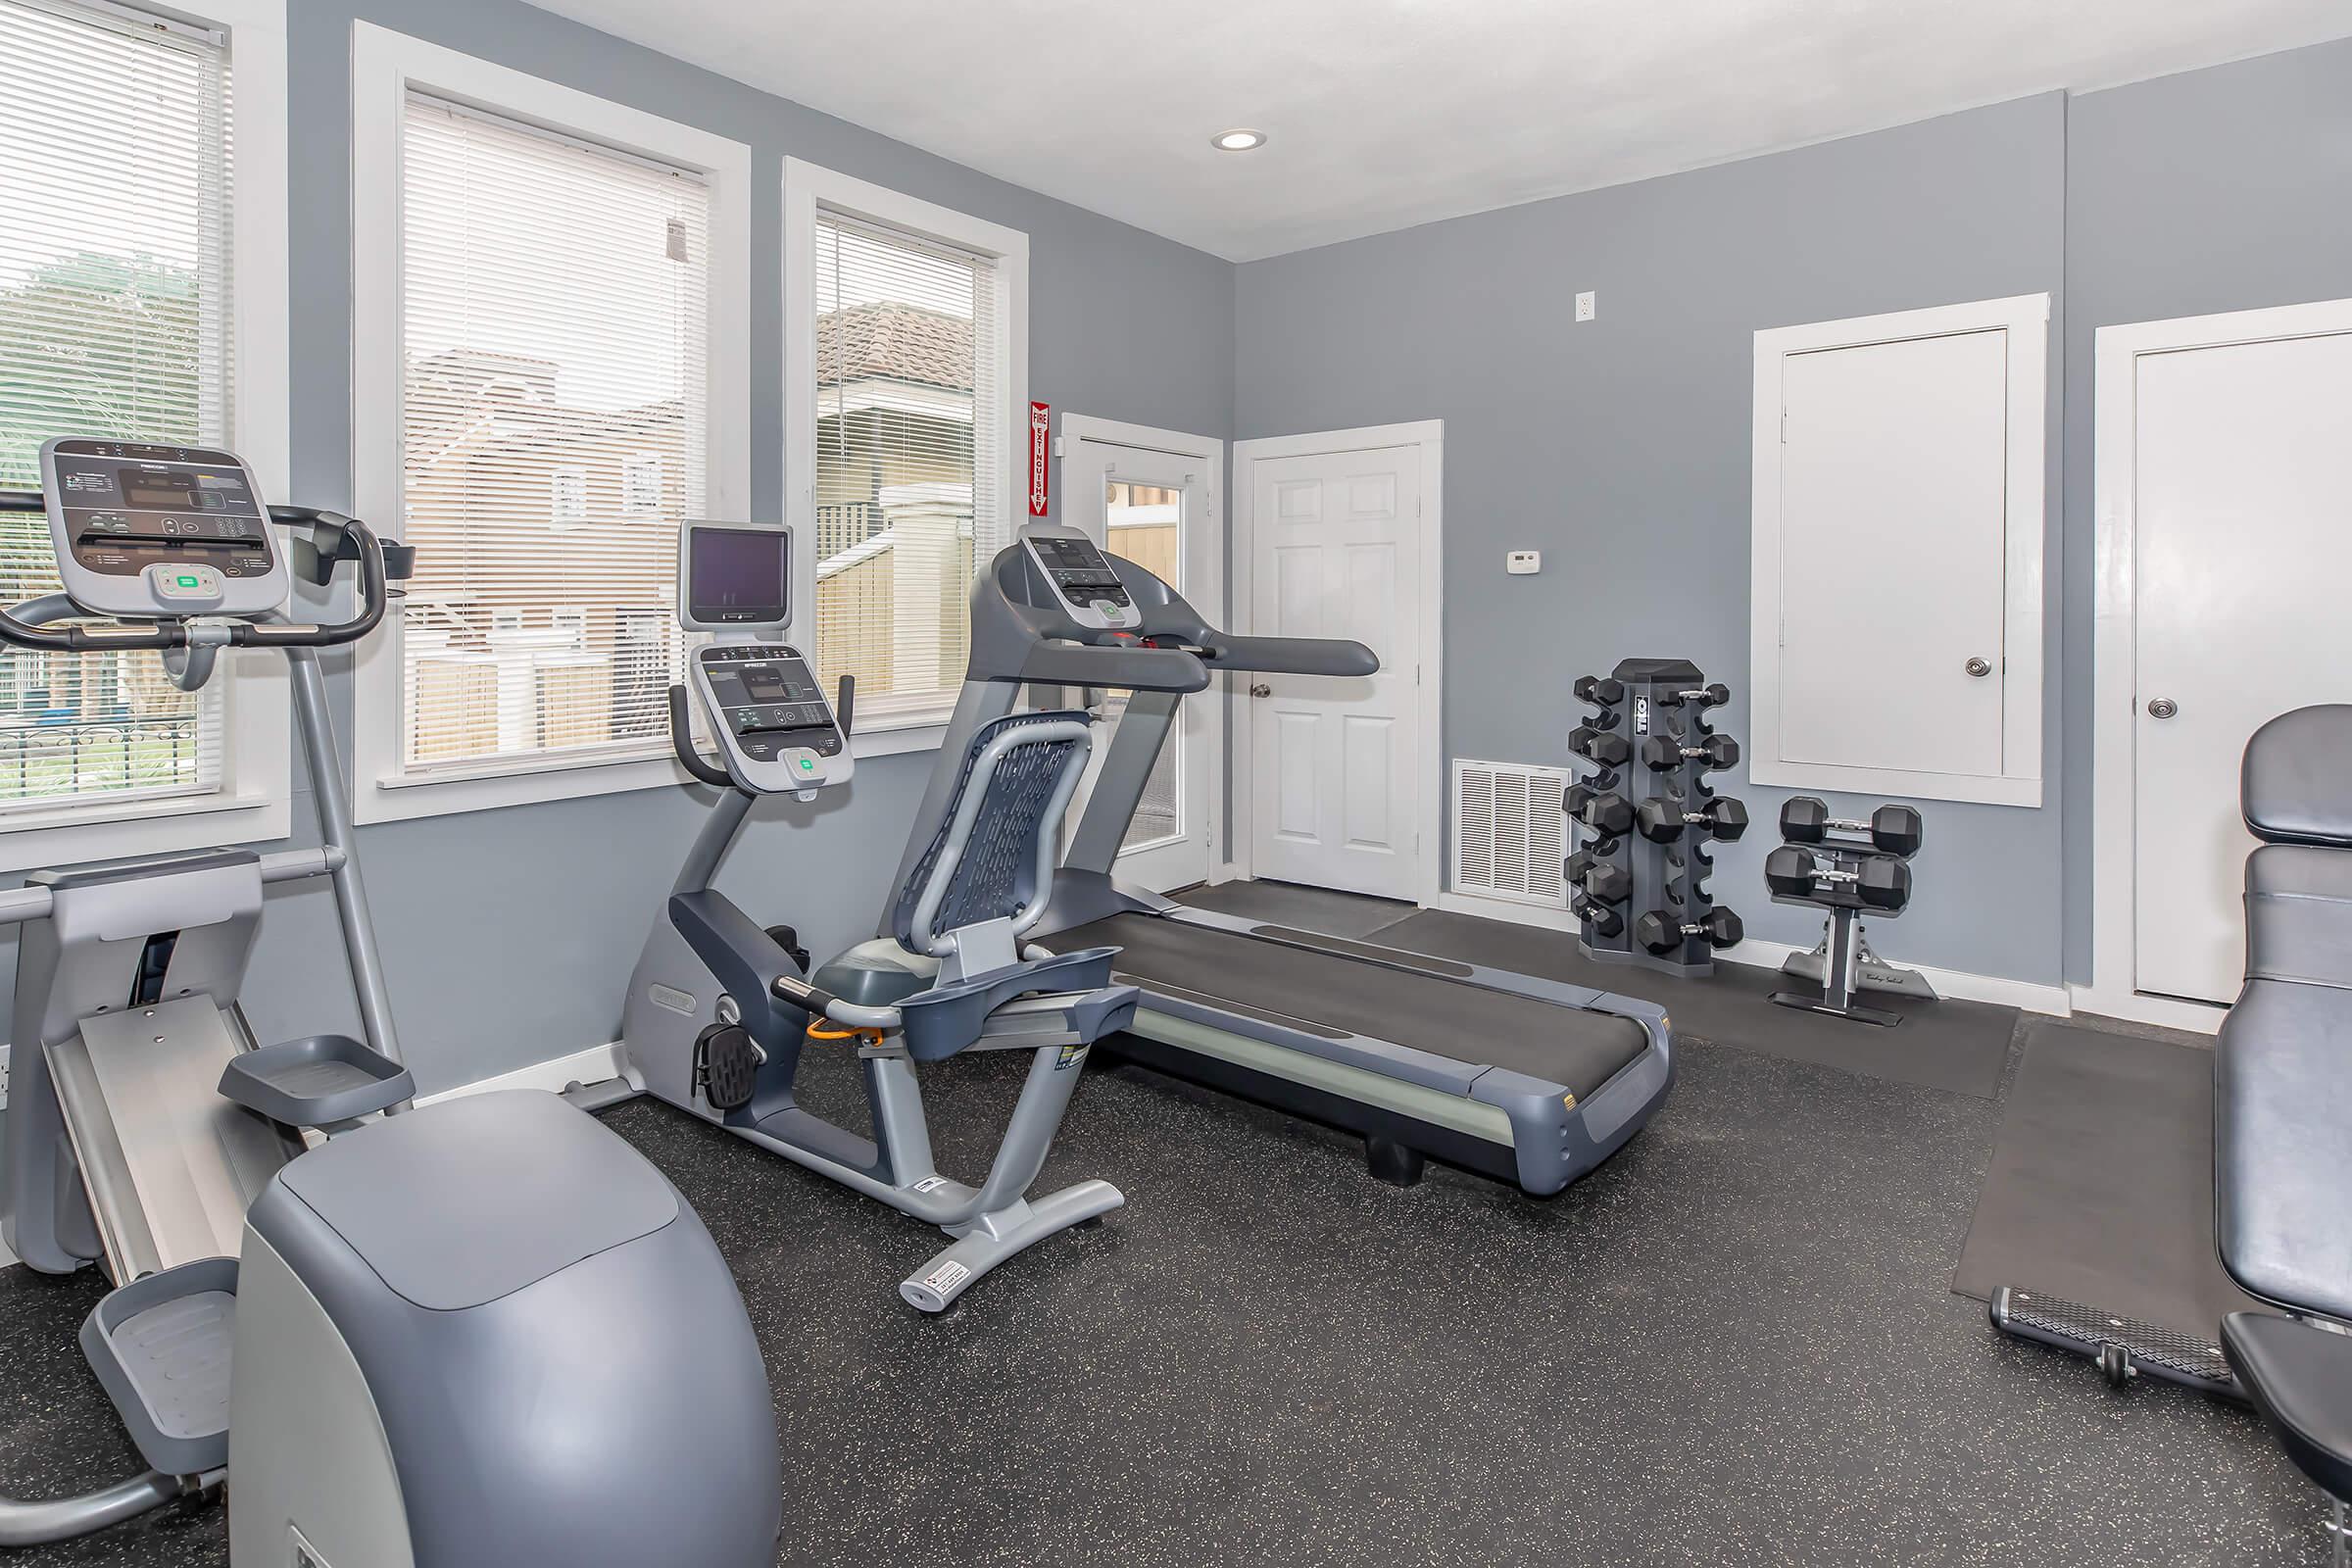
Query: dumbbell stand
{"points": [[1649, 709], [1840, 952], [1871, 972]]}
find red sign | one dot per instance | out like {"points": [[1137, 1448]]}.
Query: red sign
{"points": [[1040, 423]]}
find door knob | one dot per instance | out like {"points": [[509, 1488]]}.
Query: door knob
{"points": [[2162, 708], [1261, 690], [1979, 667]]}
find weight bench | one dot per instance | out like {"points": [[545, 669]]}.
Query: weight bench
{"points": [[2283, 1100]]}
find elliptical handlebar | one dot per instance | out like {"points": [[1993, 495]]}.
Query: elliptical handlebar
{"points": [[330, 537]]}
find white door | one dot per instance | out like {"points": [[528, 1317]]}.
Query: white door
{"points": [[1335, 763], [1156, 508], [1893, 476], [2242, 498]]}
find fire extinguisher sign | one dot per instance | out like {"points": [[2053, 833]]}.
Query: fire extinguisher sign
{"points": [[1040, 440]]}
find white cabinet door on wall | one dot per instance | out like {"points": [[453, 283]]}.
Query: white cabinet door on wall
{"points": [[1897, 576]]}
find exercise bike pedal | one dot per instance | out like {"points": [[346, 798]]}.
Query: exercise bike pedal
{"points": [[726, 1065]]}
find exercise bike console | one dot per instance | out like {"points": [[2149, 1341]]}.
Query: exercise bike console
{"points": [[765, 708]]}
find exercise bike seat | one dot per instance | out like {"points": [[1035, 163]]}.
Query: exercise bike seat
{"points": [[2300, 1378], [878, 972]]}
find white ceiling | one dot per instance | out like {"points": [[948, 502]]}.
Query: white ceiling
{"points": [[1387, 113]]}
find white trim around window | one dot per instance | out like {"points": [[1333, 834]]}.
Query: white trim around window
{"points": [[384, 66], [254, 801], [808, 188]]}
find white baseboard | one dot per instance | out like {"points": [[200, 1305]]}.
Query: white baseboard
{"points": [[593, 1066], [2165, 1012], [1550, 916], [2055, 999]]}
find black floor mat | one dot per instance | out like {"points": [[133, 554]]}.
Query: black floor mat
{"points": [[2101, 1187], [1957, 1045], [1338, 915], [1734, 1342]]}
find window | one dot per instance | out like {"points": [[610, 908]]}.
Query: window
{"points": [[119, 315], [905, 361], [641, 476], [549, 439], [567, 497]]}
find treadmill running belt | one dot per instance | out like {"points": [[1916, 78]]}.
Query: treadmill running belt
{"points": [[1575, 1049]]}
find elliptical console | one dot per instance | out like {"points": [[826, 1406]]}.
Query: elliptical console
{"points": [[149, 530]]}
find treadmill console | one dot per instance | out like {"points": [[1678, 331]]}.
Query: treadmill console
{"points": [[164, 532], [1090, 593], [761, 696]]}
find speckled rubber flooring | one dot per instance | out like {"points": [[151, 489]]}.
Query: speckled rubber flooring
{"points": [[1734, 1344]]}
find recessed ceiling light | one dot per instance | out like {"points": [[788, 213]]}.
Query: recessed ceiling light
{"points": [[1238, 140]]}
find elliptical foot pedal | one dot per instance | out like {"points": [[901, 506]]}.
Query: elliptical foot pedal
{"points": [[2122, 1347], [160, 1346], [317, 1081]]}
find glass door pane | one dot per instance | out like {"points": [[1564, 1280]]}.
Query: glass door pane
{"points": [[1146, 525]]}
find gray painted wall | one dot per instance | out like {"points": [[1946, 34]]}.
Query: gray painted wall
{"points": [[1617, 447], [2216, 190], [1620, 446], [509, 934]]}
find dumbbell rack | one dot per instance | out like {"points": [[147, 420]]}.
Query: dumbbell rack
{"points": [[1839, 851], [1620, 873]]}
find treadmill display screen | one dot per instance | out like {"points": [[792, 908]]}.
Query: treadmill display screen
{"points": [[739, 577], [1071, 555]]}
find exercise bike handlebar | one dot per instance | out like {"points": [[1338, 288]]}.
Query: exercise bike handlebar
{"points": [[326, 536]]}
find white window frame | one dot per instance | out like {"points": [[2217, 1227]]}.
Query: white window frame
{"points": [[384, 66], [808, 187], [2026, 319], [254, 801]]}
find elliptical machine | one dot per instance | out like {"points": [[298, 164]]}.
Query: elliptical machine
{"points": [[381, 1335], [718, 1012]]}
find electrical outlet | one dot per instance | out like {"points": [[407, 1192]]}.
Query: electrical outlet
{"points": [[1584, 306], [3, 1077]]}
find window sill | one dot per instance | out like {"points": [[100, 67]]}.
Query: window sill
{"points": [[114, 830], [406, 797]]}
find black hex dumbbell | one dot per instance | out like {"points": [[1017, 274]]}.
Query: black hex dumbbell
{"points": [[1603, 922], [1662, 752], [1604, 811], [1895, 829], [1608, 884], [1599, 746], [1714, 695], [1663, 821], [1598, 690], [1659, 933], [1881, 881]]}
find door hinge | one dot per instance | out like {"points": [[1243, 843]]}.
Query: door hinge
{"points": [[1784, 424], [1060, 448]]}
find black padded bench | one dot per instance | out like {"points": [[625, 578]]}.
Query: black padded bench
{"points": [[2282, 1099]]}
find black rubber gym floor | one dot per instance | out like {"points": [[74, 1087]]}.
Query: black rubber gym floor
{"points": [[1734, 1343]]}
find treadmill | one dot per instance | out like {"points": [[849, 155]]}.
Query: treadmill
{"points": [[1530, 1081]]}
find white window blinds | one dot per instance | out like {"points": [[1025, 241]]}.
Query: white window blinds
{"points": [[553, 347], [114, 321], [911, 443]]}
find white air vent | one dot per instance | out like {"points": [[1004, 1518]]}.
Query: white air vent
{"points": [[1509, 832]]}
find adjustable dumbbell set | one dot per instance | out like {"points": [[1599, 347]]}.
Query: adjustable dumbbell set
{"points": [[1845, 865], [1648, 813]]}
